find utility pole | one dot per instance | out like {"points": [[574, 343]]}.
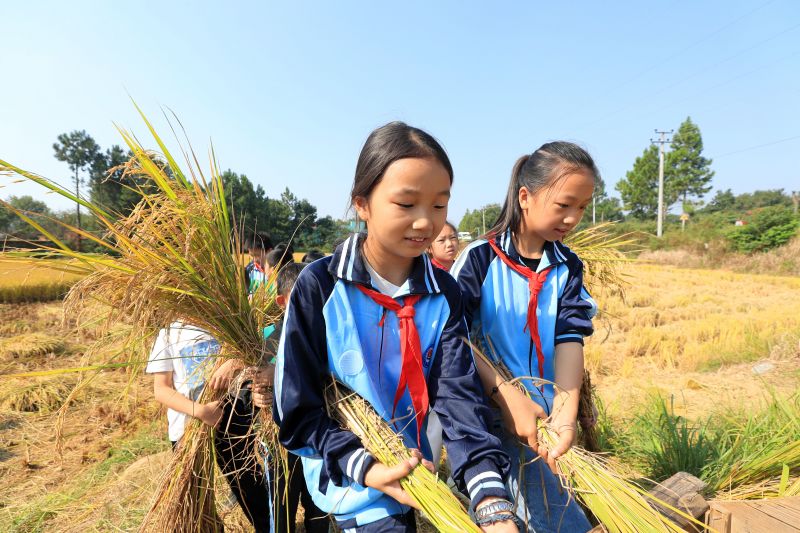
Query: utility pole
{"points": [[661, 142], [483, 215], [594, 208]]}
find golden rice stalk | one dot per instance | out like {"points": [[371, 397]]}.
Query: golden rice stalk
{"points": [[439, 505], [602, 253], [764, 465], [770, 488], [619, 504]]}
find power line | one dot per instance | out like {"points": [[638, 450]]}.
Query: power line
{"points": [[722, 84], [757, 146], [664, 89], [689, 47]]}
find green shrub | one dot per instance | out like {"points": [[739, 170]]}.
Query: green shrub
{"points": [[768, 228], [673, 443]]}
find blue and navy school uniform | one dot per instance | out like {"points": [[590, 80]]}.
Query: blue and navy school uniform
{"points": [[331, 327], [496, 307]]}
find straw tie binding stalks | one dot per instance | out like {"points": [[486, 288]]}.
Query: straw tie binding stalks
{"points": [[439, 505]]}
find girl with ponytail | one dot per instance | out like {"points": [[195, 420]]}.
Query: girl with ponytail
{"points": [[526, 306]]}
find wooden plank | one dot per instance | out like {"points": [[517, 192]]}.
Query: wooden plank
{"points": [[718, 519], [774, 516]]}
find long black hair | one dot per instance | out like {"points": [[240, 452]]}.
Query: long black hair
{"points": [[544, 167], [390, 143]]}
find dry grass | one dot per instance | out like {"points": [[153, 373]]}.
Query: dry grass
{"points": [[782, 261], [696, 335], [688, 320]]}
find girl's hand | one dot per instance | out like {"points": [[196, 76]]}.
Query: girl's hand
{"points": [[521, 416], [263, 378], [210, 413], [567, 429], [387, 478], [224, 374]]}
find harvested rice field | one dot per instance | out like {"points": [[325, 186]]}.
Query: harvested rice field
{"points": [[706, 341]]}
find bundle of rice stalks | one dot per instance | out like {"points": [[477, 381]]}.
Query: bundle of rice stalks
{"points": [[602, 253], [587, 416], [755, 469], [784, 486], [175, 257], [35, 396], [439, 505], [620, 505], [185, 501], [755, 449], [31, 345]]}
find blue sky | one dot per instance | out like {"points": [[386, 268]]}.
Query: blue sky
{"points": [[288, 92]]}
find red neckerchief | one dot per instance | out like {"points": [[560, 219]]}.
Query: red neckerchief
{"points": [[437, 264], [535, 283], [258, 267], [411, 373]]}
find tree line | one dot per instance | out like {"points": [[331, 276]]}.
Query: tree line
{"points": [[754, 221], [99, 175]]}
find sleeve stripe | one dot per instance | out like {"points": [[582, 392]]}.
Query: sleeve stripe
{"points": [[352, 461], [481, 477], [569, 336], [485, 485], [357, 470]]}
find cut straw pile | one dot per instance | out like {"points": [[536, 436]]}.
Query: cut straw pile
{"points": [[439, 505]]}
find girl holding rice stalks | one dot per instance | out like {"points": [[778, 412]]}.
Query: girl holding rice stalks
{"points": [[388, 325], [525, 300]]}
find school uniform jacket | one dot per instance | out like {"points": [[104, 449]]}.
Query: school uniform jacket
{"points": [[332, 328], [496, 307]]}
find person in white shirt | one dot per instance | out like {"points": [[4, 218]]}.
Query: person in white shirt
{"points": [[179, 362]]}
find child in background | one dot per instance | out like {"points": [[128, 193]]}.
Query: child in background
{"points": [[388, 325], [444, 248], [291, 487], [283, 254], [258, 246], [525, 301], [312, 255], [179, 361]]}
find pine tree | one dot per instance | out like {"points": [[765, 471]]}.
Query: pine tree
{"points": [[639, 188], [687, 173], [79, 150]]}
